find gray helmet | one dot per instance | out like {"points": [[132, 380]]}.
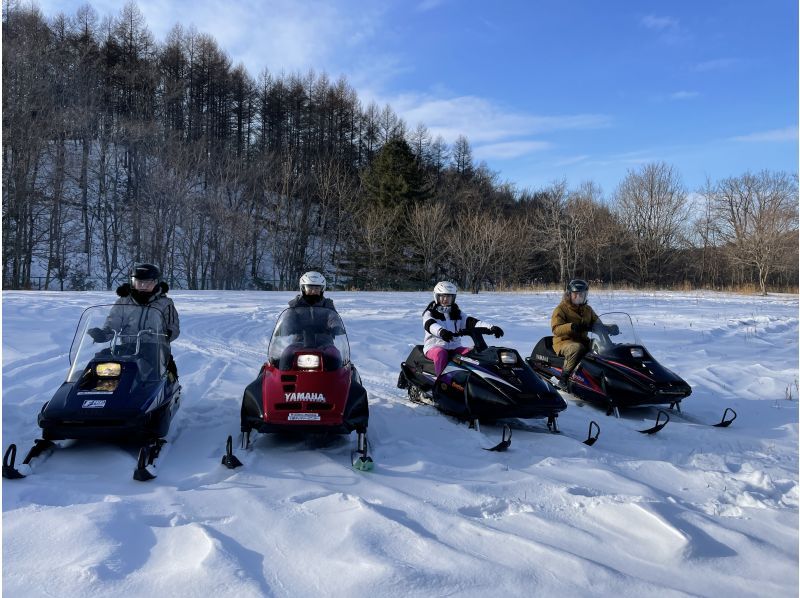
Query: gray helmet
{"points": [[577, 285]]}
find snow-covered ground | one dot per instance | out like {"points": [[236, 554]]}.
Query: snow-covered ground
{"points": [[693, 510]]}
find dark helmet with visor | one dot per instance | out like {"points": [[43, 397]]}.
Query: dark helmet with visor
{"points": [[144, 280], [581, 288]]}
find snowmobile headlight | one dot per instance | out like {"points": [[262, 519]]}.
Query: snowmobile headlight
{"points": [[308, 362], [108, 370], [637, 353], [508, 357]]}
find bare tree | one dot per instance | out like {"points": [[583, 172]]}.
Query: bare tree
{"points": [[474, 245], [651, 204], [564, 221], [426, 228], [756, 215]]}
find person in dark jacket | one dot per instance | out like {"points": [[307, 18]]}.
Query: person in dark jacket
{"points": [[571, 322], [441, 320], [145, 289], [312, 290]]}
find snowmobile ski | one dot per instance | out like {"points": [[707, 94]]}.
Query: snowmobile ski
{"points": [[593, 435], [40, 446], [229, 460], [726, 420], [363, 462], [146, 462], [503, 445], [658, 425]]}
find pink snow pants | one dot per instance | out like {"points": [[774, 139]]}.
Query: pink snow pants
{"points": [[440, 356]]}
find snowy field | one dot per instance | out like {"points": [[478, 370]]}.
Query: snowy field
{"points": [[693, 510]]}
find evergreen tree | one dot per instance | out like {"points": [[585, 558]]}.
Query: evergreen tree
{"points": [[395, 177]]}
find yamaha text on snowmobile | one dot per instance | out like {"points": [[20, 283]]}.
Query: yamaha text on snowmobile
{"points": [[118, 388], [308, 384]]}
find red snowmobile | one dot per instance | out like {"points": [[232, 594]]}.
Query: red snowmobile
{"points": [[308, 384]]}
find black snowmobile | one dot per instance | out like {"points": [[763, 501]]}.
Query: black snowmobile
{"points": [[617, 372], [118, 388], [488, 384]]}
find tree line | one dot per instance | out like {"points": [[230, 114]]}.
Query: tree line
{"points": [[120, 149]]}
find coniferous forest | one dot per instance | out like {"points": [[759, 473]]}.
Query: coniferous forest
{"points": [[120, 148]]}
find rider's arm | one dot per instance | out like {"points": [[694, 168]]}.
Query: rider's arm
{"points": [[431, 324], [171, 322], [559, 324]]}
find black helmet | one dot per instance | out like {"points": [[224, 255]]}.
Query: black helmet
{"points": [[581, 287], [146, 272], [577, 285], [145, 279]]}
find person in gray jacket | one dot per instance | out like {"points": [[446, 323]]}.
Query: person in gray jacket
{"points": [[441, 320], [145, 289]]}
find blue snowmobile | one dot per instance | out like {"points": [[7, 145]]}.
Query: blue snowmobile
{"points": [[119, 387]]}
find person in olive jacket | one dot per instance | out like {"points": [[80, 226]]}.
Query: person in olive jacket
{"points": [[572, 319]]}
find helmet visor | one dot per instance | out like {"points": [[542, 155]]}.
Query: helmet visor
{"points": [[312, 289], [579, 298], [143, 284], [445, 298]]}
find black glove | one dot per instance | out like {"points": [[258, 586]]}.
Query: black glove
{"points": [[613, 330], [579, 328], [497, 331], [169, 335], [100, 335], [445, 335]]}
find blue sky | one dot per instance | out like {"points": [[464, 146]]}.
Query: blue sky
{"points": [[544, 90]]}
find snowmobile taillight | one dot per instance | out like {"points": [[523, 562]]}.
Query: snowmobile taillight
{"points": [[308, 362], [637, 352], [508, 357], [108, 370]]}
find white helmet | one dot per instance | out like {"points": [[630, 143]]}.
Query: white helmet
{"points": [[444, 288], [313, 279]]}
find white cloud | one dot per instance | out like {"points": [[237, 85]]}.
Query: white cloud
{"points": [[659, 23], [426, 5], [716, 65], [569, 161], [684, 95], [482, 121], [509, 149], [281, 35], [773, 135]]}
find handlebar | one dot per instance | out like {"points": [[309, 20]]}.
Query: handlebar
{"points": [[470, 331]]}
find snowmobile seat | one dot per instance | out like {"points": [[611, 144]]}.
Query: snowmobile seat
{"points": [[543, 351], [417, 360]]}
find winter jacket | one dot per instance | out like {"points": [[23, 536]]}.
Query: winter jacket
{"points": [[302, 301], [436, 318], [564, 316], [160, 312]]}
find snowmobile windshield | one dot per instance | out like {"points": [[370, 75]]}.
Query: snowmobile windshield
{"points": [[315, 329], [120, 333], [616, 329]]}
